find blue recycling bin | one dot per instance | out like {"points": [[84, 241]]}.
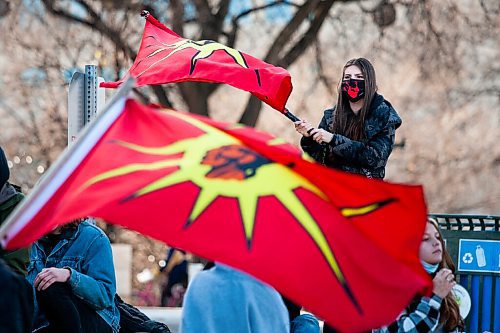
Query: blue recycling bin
{"points": [[473, 242]]}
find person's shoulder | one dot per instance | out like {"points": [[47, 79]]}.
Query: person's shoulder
{"points": [[13, 198], [18, 197], [233, 276], [89, 235], [328, 115], [383, 113], [90, 229], [248, 283], [14, 191], [329, 112], [205, 281], [380, 107], [11, 202]]}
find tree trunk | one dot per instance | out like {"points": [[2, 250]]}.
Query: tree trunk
{"points": [[252, 112], [319, 10], [161, 94], [196, 95]]}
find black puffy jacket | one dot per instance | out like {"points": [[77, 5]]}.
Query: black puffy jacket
{"points": [[367, 157]]}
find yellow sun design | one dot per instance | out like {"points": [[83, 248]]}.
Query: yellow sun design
{"points": [[204, 48], [247, 186]]}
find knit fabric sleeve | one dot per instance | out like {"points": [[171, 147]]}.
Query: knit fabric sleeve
{"points": [[423, 319]]}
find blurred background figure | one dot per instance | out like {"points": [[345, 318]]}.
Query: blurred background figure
{"points": [[16, 297], [16, 302], [223, 299], [10, 196], [176, 272]]}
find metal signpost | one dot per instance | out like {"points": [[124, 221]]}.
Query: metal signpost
{"points": [[85, 100]]}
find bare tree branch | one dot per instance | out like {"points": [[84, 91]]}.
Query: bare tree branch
{"points": [[298, 49], [176, 16], [11, 112], [322, 77], [161, 94], [96, 23], [235, 20], [319, 10], [286, 33], [243, 14]]}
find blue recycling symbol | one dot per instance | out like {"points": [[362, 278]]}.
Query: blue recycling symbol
{"points": [[479, 255], [467, 258]]}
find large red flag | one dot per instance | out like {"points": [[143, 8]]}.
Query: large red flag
{"points": [[335, 243], [165, 57]]}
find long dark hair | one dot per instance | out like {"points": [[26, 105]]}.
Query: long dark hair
{"points": [[344, 121], [450, 312]]}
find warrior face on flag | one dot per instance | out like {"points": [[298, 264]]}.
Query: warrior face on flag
{"points": [[221, 167]]}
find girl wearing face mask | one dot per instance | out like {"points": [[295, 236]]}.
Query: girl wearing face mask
{"points": [[440, 312], [357, 135]]}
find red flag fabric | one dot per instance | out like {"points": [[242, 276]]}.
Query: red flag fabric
{"points": [[165, 57], [338, 244]]}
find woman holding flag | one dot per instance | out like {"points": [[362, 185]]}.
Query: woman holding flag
{"points": [[357, 135]]}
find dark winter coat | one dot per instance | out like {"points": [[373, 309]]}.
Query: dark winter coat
{"points": [[16, 302], [18, 260], [367, 157]]}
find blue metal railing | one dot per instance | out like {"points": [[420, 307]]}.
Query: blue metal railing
{"points": [[483, 287]]}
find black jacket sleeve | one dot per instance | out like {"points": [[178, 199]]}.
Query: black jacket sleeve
{"points": [[317, 151]]}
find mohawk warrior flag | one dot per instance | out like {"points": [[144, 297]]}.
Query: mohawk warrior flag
{"points": [[165, 57], [335, 243]]}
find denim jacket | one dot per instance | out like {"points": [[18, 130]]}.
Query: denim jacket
{"points": [[367, 157], [87, 252]]}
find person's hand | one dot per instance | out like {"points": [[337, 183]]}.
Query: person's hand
{"points": [[303, 127], [443, 282], [48, 276], [321, 136]]}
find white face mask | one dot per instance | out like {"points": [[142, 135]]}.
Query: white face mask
{"points": [[429, 268]]}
